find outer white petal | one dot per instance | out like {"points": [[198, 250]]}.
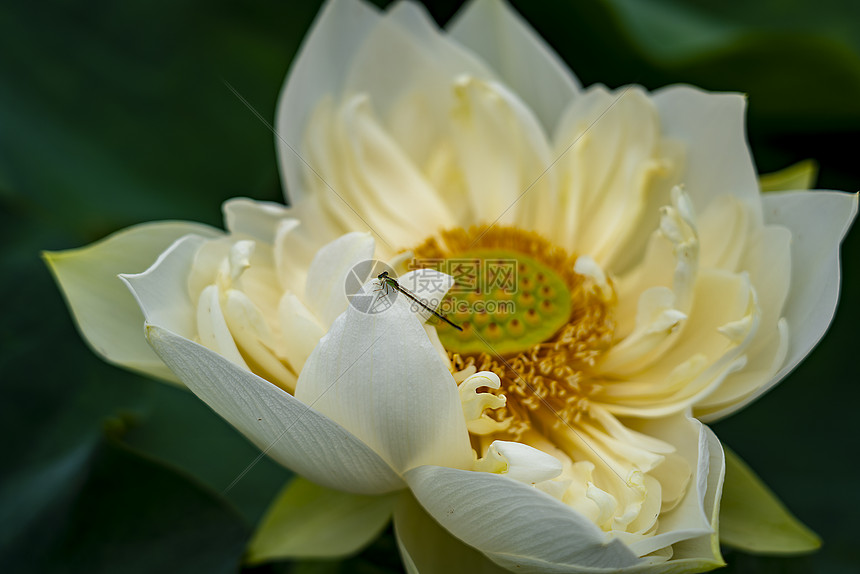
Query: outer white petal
{"points": [[320, 68], [105, 312], [818, 220], [289, 431], [427, 548], [162, 290], [379, 376], [525, 62], [515, 525], [712, 129], [325, 292]]}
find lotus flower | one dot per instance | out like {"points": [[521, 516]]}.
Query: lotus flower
{"points": [[654, 287]]}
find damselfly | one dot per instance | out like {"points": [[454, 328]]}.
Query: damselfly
{"points": [[391, 282]]}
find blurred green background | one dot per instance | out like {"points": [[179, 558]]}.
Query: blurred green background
{"points": [[114, 113]]}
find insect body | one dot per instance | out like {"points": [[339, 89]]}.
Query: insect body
{"points": [[387, 282]]}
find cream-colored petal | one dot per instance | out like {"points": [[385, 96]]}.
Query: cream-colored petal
{"points": [[690, 518], [520, 56], [656, 320], [256, 340], [294, 434], [385, 186], [406, 67], [325, 291], [205, 269], [363, 174], [612, 174], [378, 375], [712, 129], [515, 525], [818, 221], [105, 312], [256, 219], [301, 331], [502, 152], [768, 258], [519, 462], [702, 553], [212, 329], [293, 252], [710, 346], [320, 68], [724, 230]]}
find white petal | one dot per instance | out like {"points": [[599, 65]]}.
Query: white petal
{"points": [[525, 62], [427, 548], [702, 553], [256, 219], [320, 68], [289, 431], [379, 376], [522, 462], [105, 312], [818, 220], [712, 128], [515, 525], [162, 290], [690, 519], [325, 292], [300, 329]]}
